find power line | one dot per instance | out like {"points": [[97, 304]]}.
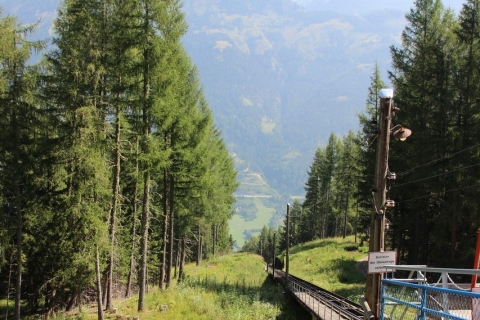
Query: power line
{"points": [[431, 195], [439, 159], [435, 176]]}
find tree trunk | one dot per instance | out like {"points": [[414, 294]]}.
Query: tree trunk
{"points": [[171, 229], [181, 274], [199, 247], [177, 258], [144, 242], [18, 282], [113, 211], [163, 258], [134, 225], [99, 285], [146, 175], [214, 239]]}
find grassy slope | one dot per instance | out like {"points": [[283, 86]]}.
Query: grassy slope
{"points": [[230, 287], [332, 265], [236, 286]]}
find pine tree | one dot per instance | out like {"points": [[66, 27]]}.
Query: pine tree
{"points": [[422, 78], [347, 173], [311, 221], [20, 123], [76, 91], [366, 142]]}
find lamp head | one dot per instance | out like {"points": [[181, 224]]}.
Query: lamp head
{"points": [[402, 133]]}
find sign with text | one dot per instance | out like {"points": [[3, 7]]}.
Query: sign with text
{"points": [[378, 260]]}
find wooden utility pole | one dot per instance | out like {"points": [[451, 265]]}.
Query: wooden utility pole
{"points": [[273, 264], [377, 226], [287, 250]]}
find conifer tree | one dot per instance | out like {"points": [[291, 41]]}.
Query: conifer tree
{"points": [[312, 219], [346, 176], [76, 91], [369, 124], [422, 78], [20, 123]]}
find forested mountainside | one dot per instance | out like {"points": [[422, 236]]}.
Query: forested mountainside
{"points": [[280, 79], [432, 182], [111, 161]]}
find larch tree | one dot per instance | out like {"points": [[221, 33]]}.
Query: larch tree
{"points": [[19, 121], [77, 96]]}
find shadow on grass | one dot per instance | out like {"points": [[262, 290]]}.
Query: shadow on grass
{"points": [[347, 273], [268, 292]]}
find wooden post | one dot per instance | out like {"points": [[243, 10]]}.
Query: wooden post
{"points": [[273, 265], [287, 250], [377, 226], [476, 261]]}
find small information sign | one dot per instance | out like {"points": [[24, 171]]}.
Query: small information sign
{"points": [[378, 260]]}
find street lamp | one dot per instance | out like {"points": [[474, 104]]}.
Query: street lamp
{"points": [[377, 226]]}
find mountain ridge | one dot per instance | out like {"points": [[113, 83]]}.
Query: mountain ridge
{"points": [[279, 79]]}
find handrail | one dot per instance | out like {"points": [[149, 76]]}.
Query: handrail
{"points": [[462, 301], [435, 270]]}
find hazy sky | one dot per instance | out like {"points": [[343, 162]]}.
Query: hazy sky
{"points": [[371, 5]]}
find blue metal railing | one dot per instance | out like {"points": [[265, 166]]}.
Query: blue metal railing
{"points": [[421, 301]]}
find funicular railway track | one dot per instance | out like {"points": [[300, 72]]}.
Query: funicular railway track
{"points": [[322, 303]]}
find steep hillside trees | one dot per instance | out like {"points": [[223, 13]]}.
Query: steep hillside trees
{"points": [[423, 73], [120, 131]]}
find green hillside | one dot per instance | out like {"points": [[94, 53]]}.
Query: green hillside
{"points": [[332, 264], [236, 286]]}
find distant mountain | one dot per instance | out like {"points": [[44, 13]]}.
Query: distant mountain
{"points": [[279, 77]]}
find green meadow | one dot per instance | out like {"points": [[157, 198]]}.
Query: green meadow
{"points": [[239, 226], [236, 286]]}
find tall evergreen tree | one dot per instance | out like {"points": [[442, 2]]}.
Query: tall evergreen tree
{"points": [[20, 122], [347, 173], [369, 125], [315, 194], [422, 78], [76, 92]]}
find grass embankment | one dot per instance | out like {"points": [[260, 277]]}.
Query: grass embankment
{"points": [[236, 286], [230, 287], [330, 264]]}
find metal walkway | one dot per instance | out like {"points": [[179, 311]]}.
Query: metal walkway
{"points": [[321, 303]]}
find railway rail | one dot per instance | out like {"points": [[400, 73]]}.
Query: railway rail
{"points": [[321, 303]]}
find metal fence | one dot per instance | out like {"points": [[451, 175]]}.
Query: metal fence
{"points": [[404, 300]]}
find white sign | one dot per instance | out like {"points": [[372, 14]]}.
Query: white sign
{"points": [[378, 260]]}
